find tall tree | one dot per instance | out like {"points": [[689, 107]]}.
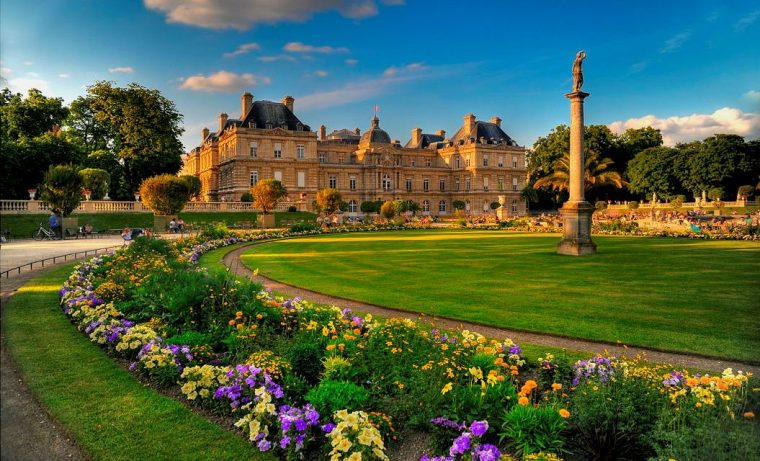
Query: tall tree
{"points": [[654, 170], [144, 126], [723, 160], [598, 173], [29, 117]]}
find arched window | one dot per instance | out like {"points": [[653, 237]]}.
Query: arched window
{"points": [[442, 206], [426, 206], [386, 182], [352, 208]]}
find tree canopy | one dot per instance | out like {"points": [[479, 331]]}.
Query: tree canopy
{"points": [[267, 193], [165, 194], [62, 188], [328, 200]]}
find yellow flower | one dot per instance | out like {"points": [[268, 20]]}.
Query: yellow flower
{"points": [[446, 388], [344, 445], [355, 456], [564, 413], [556, 386], [476, 373]]}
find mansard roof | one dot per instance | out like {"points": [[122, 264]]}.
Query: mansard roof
{"points": [[425, 141], [491, 132], [276, 114]]}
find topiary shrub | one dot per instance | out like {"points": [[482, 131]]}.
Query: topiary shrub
{"points": [[495, 205], [458, 204], [267, 193], [328, 200], [62, 188], [292, 209], [165, 194], [193, 185], [331, 396], [633, 205], [246, 197], [387, 210]]}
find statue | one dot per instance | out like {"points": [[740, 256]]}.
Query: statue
{"points": [[577, 71]]}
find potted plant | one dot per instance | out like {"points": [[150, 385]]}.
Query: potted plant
{"points": [[266, 193]]}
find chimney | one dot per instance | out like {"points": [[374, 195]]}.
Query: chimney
{"points": [[357, 131], [416, 136], [469, 125], [441, 133], [288, 102], [246, 102], [496, 121], [204, 134], [222, 121], [322, 133]]}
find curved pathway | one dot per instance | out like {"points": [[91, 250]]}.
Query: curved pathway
{"points": [[232, 260]]}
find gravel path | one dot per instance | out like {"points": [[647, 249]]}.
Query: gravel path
{"points": [[232, 260]]}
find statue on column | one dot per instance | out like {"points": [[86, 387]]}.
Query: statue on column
{"points": [[578, 71]]}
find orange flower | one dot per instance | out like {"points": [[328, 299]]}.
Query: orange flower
{"points": [[556, 386], [564, 413], [231, 322], [531, 384], [239, 326], [523, 401], [238, 314], [749, 415]]}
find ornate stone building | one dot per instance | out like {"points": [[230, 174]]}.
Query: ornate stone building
{"points": [[478, 165]]}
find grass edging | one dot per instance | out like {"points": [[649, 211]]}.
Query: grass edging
{"points": [[109, 413]]}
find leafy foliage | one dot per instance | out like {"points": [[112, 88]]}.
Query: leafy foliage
{"points": [[267, 193], [165, 194], [328, 200], [534, 429], [62, 188], [96, 180], [387, 210], [331, 396]]}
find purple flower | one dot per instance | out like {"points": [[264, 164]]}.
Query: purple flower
{"points": [[486, 452], [284, 442], [264, 445], [448, 424], [327, 428], [461, 444], [478, 428]]}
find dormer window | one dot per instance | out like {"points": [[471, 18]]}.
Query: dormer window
{"points": [[299, 127], [269, 126], [251, 124]]}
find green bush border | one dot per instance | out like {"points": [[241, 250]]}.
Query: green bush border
{"points": [[108, 412]]}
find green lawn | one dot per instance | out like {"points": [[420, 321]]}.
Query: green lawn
{"points": [[681, 295], [110, 414], [23, 225]]}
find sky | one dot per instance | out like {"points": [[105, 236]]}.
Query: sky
{"points": [[689, 68]]}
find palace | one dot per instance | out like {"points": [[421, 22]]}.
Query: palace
{"points": [[479, 165]]}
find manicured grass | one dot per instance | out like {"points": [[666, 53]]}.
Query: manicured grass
{"points": [[681, 295], [110, 414], [23, 225]]}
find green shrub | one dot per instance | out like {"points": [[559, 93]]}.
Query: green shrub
{"points": [[369, 207], [331, 396], [303, 227], [305, 360], [246, 197], [495, 205], [292, 209], [165, 194], [531, 429], [62, 188], [190, 338], [96, 180], [458, 204], [336, 368], [387, 210], [600, 205], [633, 205], [215, 232], [470, 402]]}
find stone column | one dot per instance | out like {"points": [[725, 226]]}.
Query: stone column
{"points": [[576, 212]]}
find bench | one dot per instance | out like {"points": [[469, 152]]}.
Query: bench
{"points": [[71, 232]]}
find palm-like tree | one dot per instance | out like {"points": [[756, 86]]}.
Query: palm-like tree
{"points": [[598, 173]]}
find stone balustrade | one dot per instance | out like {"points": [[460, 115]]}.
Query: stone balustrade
{"points": [[117, 206], [688, 205]]}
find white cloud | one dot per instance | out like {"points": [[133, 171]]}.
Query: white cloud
{"points": [[121, 70], [747, 20], [298, 47], [675, 42], [752, 96], [6, 72], [393, 70], [244, 14], [28, 63], [692, 127], [351, 62], [318, 74], [32, 74], [245, 48], [639, 66], [223, 81], [22, 85], [64, 75], [279, 57]]}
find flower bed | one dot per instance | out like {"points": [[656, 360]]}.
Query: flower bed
{"points": [[314, 382]]}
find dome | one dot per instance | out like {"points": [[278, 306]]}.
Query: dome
{"points": [[375, 135]]}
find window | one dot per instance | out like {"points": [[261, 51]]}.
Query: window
{"points": [[277, 150], [457, 184], [254, 148], [398, 160], [514, 206], [278, 175], [467, 161], [501, 161], [301, 179], [340, 159], [300, 151], [352, 183], [414, 162], [333, 182], [501, 183], [467, 184], [408, 184], [442, 184], [456, 162], [386, 182], [426, 206], [442, 206], [514, 183], [426, 184], [321, 157], [485, 160], [514, 161], [427, 162], [352, 208], [254, 177], [485, 183]]}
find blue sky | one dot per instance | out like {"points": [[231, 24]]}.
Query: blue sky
{"points": [[690, 68]]}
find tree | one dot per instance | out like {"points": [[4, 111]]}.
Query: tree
{"points": [[723, 160], [62, 188], [399, 206], [193, 185], [92, 134], [266, 193], [495, 205], [141, 127], [387, 210], [412, 206], [745, 191], [635, 140], [597, 173], [246, 197], [96, 180], [458, 205], [164, 194], [30, 117], [653, 170], [328, 200]]}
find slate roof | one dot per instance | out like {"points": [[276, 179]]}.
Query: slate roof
{"points": [[492, 133], [274, 113], [375, 135], [425, 141]]}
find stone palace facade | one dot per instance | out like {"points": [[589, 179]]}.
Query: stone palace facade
{"points": [[478, 165]]}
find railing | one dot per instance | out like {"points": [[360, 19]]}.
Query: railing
{"points": [[649, 205], [54, 259], [116, 206]]}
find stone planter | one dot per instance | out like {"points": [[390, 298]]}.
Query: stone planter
{"points": [[265, 221], [161, 223]]}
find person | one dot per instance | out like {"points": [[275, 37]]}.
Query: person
{"points": [[180, 225], [55, 224], [126, 234], [87, 230], [173, 226]]}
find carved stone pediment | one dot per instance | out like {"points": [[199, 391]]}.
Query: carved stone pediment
{"points": [[279, 132]]}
